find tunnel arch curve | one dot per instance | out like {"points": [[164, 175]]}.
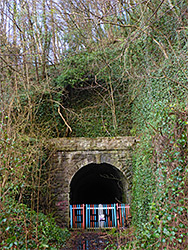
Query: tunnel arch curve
{"points": [[71, 155], [98, 183], [123, 167]]}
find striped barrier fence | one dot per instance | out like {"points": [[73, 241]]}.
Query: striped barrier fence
{"points": [[99, 215]]}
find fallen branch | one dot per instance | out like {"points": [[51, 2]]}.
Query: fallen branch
{"points": [[64, 120]]}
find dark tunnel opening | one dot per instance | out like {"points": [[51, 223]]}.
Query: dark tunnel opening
{"points": [[97, 183]]}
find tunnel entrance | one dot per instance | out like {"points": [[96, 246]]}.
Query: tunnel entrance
{"points": [[98, 184]]}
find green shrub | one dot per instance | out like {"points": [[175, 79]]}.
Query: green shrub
{"points": [[22, 228]]}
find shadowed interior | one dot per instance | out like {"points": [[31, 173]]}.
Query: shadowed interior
{"points": [[97, 183]]}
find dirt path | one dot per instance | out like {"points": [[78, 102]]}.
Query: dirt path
{"points": [[84, 240]]}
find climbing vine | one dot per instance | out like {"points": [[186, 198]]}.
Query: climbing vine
{"points": [[163, 210]]}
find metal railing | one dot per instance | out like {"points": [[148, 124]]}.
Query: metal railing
{"points": [[99, 215]]}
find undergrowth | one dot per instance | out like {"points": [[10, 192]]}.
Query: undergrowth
{"points": [[23, 228], [160, 187]]}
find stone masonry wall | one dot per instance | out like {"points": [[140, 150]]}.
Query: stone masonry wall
{"points": [[71, 154]]}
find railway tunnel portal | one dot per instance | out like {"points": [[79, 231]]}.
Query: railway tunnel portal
{"points": [[89, 171]]}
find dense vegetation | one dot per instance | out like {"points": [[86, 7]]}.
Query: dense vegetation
{"points": [[90, 68]]}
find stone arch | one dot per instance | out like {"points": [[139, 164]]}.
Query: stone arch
{"points": [[98, 183], [72, 154], [124, 168]]}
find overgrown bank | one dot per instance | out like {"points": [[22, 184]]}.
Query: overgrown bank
{"points": [[23, 225], [160, 173], [160, 185]]}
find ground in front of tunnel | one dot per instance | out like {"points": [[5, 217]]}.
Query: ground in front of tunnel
{"points": [[89, 240]]}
